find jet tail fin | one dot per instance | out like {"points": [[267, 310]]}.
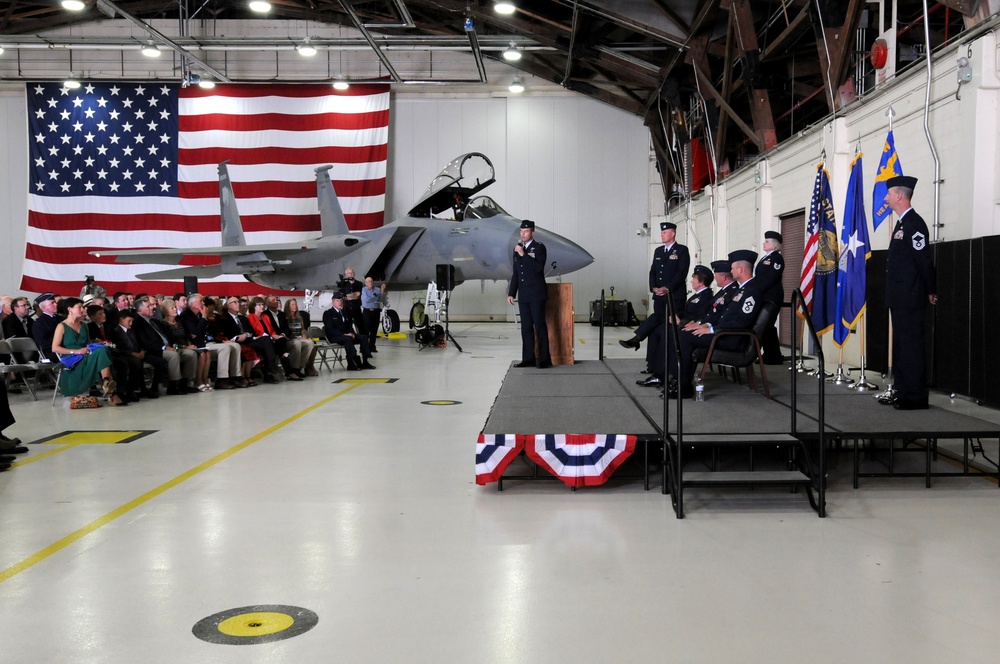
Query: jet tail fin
{"points": [[232, 228], [331, 216]]}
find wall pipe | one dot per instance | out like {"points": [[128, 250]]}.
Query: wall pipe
{"points": [[927, 129]]}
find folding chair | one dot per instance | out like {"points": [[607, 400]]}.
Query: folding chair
{"points": [[326, 352], [14, 368], [25, 346]]}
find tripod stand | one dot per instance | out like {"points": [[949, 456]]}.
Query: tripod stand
{"points": [[445, 298]]}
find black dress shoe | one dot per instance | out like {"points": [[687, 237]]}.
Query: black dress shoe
{"points": [[632, 343], [906, 404], [774, 360], [545, 365], [367, 365], [268, 378], [646, 372], [13, 442], [652, 381], [887, 401], [150, 394], [522, 365]]}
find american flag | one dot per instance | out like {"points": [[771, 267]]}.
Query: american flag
{"points": [[807, 280], [134, 165]]}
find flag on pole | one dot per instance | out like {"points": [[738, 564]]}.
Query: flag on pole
{"points": [[854, 252], [818, 280], [888, 167], [134, 165]]}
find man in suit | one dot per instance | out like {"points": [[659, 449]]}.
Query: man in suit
{"points": [[910, 284], [164, 358], [20, 324], [45, 327], [127, 358], [767, 276], [528, 284], [338, 329], [237, 328]]}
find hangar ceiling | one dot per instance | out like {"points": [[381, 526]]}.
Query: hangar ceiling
{"points": [[738, 75]]}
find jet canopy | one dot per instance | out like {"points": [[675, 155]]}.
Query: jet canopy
{"points": [[463, 177]]}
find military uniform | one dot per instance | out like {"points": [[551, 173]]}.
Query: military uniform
{"points": [[768, 274], [669, 268], [910, 279], [527, 283]]}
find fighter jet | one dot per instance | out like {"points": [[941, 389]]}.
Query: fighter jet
{"points": [[479, 240]]}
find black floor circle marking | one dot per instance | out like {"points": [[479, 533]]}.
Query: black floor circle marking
{"points": [[249, 625]]}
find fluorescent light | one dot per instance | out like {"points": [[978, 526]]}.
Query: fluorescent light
{"points": [[260, 6], [73, 5], [71, 83], [206, 84], [516, 86], [1, 50], [306, 49], [341, 84], [151, 50], [504, 7], [512, 54]]}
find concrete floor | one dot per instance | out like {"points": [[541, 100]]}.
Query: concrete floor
{"points": [[358, 502]]}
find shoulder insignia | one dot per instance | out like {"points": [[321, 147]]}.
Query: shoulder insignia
{"points": [[919, 241], [777, 267], [748, 305]]}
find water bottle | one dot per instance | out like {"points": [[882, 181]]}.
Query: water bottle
{"points": [[699, 390]]}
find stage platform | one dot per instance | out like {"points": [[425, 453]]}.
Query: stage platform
{"points": [[602, 397]]}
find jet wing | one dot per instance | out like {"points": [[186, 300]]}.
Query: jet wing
{"points": [[278, 250], [200, 271]]}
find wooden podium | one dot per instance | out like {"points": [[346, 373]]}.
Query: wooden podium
{"points": [[559, 319]]}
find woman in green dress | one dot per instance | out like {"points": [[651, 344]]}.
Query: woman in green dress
{"points": [[71, 338]]}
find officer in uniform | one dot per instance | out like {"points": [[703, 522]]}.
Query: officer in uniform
{"points": [[528, 284], [667, 275], [910, 284], [699, 304], [740, 314], [767, 275]]}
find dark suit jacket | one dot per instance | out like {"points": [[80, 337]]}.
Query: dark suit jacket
{"points": [[231, 328], [123, 345], [196, 327], [12, 327], [528, 278], [98, 332], [149, 339], [698, 306], [670, 268], [336, 324], [43, 331]]}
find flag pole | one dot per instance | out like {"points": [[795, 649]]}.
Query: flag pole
{"points": [[800, 366], [840, 378], [863, 385]]}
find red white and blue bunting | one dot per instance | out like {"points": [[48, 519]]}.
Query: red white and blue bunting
{"points": [[494, 452], [576, 459]]}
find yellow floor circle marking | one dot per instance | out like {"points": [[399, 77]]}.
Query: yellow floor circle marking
{"points": [[251, 625], [256, 624], [441, 402]]}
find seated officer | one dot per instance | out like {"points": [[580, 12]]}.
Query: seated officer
{"points": [[338, 329]]}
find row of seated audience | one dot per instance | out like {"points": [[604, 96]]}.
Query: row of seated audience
{"points": [[106, 347]]}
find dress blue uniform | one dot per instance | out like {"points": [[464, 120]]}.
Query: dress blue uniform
{"points": [[768, 275], [910, 280], [527, 283]]}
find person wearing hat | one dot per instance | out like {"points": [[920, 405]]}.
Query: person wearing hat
{"points": [[92, 289], [910, 284], [528, 284], [339, 330], [767, 274], [667, 275], [740, 314], [45, 326]]}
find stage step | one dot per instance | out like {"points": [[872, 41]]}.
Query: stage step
{"points": [[789, 478], [699, 439]]}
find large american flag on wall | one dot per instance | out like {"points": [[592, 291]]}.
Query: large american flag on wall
{"points": [[134, 165]]}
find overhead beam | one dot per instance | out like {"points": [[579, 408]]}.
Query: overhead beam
{"points": [[760, 100], [706, 85]]}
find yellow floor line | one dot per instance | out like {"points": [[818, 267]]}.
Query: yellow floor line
{"points": [[77, 535], [36, 457]]}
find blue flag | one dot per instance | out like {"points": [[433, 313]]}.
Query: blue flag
{"points": [[824, 309], [888, 167], [854, 251]]}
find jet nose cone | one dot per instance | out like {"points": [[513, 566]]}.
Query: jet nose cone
{"points": [[567, 255]]}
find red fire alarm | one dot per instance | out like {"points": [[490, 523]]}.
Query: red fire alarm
{"points": [[879, 53]]}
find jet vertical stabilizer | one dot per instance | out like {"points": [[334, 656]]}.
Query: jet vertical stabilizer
{"points": [[232, 228], [331, 216]]}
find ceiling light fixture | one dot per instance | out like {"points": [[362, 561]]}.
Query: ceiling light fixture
{"points": [[512, 54], [504, 7], [516, 86], [260, 6], [1, 50], [341, 84], [151, 50], [73, 5], [306, 49], [71, 83], [206, 84]]}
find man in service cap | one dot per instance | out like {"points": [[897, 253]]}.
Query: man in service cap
{"points": [[527, 283], [45, 327], [767, 275], [910, 284]]}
